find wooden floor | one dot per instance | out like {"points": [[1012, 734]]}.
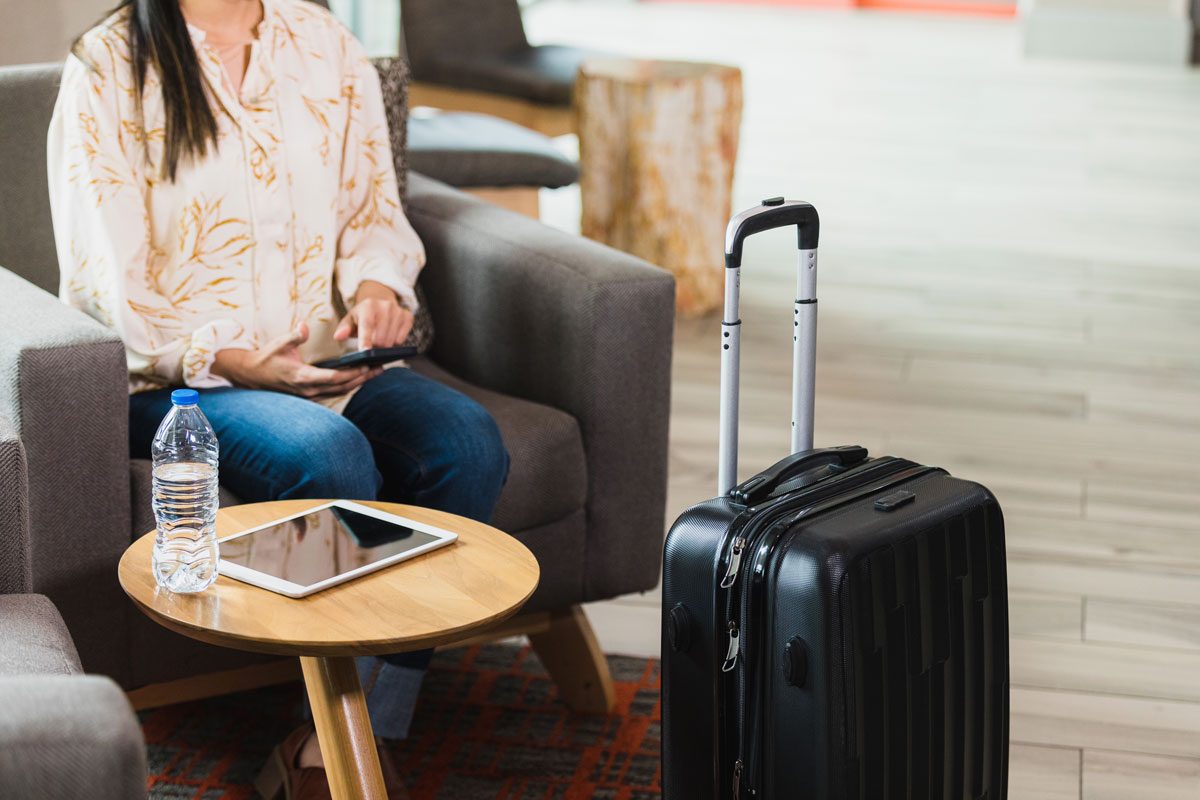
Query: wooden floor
{"points": [[1010, 288]]}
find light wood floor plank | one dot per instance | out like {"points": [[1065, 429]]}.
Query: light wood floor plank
{"points": [[1042, 614], [1126, 776], [1104, 668], [1083, 719], [1076, 576], [1154, 625], [1043, 773]]}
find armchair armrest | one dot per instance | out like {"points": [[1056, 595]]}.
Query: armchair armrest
{"points": [[69, 736], [536, 313], [15, 574], [64, 389]]}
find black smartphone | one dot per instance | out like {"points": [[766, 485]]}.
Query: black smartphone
{"points": [[368, 358]]}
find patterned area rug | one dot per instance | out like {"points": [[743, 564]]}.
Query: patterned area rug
{"points": [[488, 727]]}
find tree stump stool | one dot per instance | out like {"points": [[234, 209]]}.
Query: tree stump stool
{"points": [[657, 146]]}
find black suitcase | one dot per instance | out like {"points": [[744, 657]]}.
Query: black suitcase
{"points": [[835, 626]]}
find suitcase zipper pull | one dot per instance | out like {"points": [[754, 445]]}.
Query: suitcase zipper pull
{"points": [[735, 560], [731, 653], [737, 778]]}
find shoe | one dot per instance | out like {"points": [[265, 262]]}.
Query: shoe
{"points": [[396, 790], [282, 779]]}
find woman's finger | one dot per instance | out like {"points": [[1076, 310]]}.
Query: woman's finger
{"points": [[393, 328], [345, 328], [367, 323]]}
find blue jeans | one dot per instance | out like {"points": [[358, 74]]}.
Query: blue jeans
{"points": [[403, 438]]}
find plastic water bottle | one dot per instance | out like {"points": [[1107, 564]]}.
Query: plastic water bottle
{"points": [[185, 497]]}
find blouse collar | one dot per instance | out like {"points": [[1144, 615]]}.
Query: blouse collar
{"points": [[268, 23]]}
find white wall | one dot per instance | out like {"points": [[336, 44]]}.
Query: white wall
{"points": [[32, 31], [42, 30], [1149, 31]]}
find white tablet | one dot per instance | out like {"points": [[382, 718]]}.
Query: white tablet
{"points": [[325, 546]]}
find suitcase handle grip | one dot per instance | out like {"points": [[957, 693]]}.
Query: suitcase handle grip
{"points": [[761, 485], [774, 212]]}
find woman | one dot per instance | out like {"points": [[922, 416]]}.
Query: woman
{"points": [[223, 196]]}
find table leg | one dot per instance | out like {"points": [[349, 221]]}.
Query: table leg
{"points": [[343, 728]]}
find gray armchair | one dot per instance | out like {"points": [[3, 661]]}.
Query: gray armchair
{"points": [[62, 734], [565, 341]]}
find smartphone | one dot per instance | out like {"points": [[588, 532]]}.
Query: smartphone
{"points": [[374, 357]]}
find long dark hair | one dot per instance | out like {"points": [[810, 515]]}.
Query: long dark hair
{"points": [[159, 39]]}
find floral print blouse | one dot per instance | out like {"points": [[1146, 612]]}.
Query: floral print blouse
{"points": [[295, 207]]}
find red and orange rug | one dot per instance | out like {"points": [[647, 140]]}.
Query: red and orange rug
{"points": [[488, 727]]}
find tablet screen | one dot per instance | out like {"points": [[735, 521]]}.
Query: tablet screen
{"points": [[322, 545]]}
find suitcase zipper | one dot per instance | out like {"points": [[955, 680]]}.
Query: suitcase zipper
{"points": [[735, 560], [746, 529], [731, 652], [753, 570]]}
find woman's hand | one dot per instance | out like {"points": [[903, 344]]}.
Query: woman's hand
{"points": [[279, 368], [377, 318]]}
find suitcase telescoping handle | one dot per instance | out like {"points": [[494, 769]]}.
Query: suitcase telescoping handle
{"points": [[774, 212]]}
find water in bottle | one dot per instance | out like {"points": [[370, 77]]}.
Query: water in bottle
{"points": [[185, 497]]}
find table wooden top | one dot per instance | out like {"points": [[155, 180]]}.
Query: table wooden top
{"points": [[650, 70], [436, 598]]}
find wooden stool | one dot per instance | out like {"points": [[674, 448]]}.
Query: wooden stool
{"points": [[657, 144], [444, 596]]}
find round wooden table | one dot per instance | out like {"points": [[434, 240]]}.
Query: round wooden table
{"points": [[434, 599]]}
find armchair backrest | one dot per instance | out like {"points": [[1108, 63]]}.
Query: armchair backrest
{"points": [[433, 29], [27, 95]]}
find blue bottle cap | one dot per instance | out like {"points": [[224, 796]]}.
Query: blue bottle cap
{"points": [[185, 397]]}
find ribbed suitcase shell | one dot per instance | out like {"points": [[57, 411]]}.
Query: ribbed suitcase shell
{"points": [[903, 616]]}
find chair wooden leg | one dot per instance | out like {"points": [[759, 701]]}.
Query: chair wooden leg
{"points": [[569, 651]]}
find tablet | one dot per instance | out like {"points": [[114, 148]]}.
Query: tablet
{"points": [[324, 546]]}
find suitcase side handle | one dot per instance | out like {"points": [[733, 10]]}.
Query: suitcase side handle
{"points": [[774, 212]]}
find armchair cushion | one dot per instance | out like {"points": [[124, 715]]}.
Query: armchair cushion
{"points": [[542, 73], [69, 737], [468, 150], [35, 638], [548, 480], [27, 95]]}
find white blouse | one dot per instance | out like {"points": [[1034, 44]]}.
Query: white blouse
{"points": [[295, 207]]}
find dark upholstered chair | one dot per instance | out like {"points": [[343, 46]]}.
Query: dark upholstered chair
{"points": [[491, 158], [565, 341], [472, 55], [62, 734]]}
